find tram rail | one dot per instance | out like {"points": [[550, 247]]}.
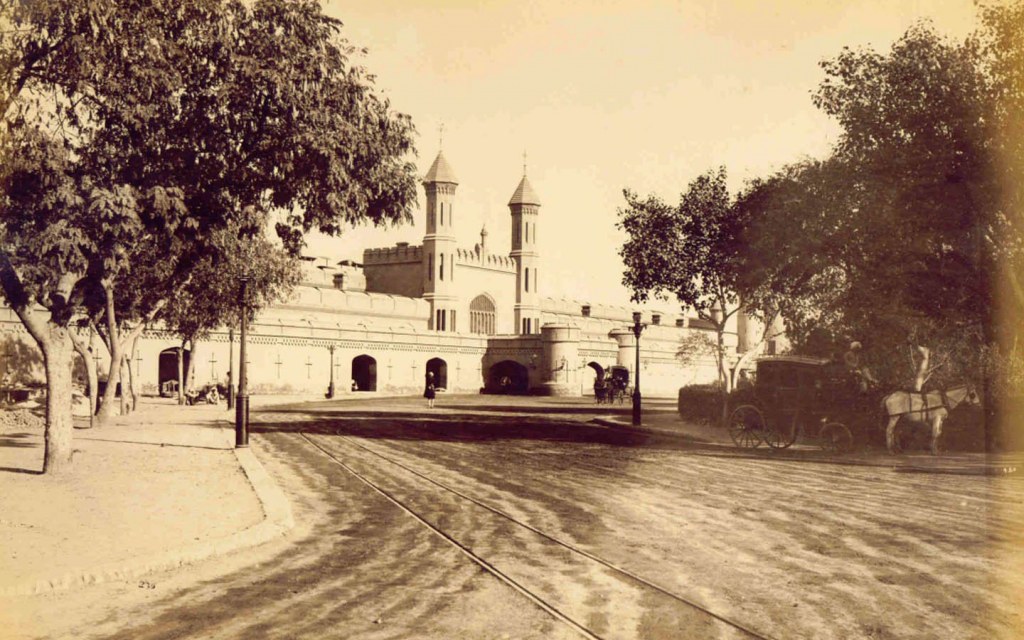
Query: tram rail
{"points": [[523, 589]]}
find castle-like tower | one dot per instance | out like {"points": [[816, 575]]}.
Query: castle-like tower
{"points": [[439, 245], [524, 207]]}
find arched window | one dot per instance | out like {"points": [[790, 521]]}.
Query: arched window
{"points": [[442, 214], [430, 266], [527, 278], [442, 266], [481, 315]]}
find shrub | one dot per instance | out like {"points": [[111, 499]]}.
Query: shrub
{"points": [[700, 403]]}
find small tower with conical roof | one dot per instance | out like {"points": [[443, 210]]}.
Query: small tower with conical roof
{"points": [[439, 244], [524, 207]]}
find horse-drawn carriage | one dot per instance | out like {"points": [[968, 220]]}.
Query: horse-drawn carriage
{"points": [[793, 396], [821, 401], [613, 386]]}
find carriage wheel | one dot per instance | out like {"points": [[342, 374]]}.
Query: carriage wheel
{"points": [[782, 434], [746, 427], [835, 437]]}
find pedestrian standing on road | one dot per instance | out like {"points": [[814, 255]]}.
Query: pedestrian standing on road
{"points": [[429, 392]]}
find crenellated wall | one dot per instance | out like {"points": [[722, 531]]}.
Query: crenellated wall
{"points": [[478, 258], [396, 270], [400, 253]]}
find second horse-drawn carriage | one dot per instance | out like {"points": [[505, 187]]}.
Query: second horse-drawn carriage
{"points": [[800, 397], [613, 386]]}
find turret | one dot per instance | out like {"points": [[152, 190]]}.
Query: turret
{"points": [[439, 244], [524, 207]]}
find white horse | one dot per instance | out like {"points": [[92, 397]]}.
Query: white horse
{"points": [[928, 407]]}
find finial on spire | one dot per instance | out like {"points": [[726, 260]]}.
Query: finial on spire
{"points": [[440, 136], [524, 162]]}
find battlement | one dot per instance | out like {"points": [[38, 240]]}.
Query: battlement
{"points": [[400, 253], [477, 257]]}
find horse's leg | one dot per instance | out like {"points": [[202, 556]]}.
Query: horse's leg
{"points": [[936, 434], [890, 434]]}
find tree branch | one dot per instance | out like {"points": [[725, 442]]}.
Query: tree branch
{"points": [[21, 302]]}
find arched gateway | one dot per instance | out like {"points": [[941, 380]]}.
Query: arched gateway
{"points": [[508, 376], [364, 373], [167, 370], [598, 375], [439, 368]]}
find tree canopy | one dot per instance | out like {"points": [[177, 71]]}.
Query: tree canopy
{"points": [[908, 237], [695, 252], [909, 233], [135, 132]]}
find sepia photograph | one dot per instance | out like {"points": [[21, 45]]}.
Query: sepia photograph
{"points": [[512, 320]]}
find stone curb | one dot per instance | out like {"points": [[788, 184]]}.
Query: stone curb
{"points": [[984, 469], [277, 521]]}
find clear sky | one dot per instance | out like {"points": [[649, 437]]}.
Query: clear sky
{"points": [[603, 95]]}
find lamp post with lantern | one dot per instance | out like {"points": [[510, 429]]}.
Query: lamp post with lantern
{"points": [[231, 368], [330, 386], [638, 328]]}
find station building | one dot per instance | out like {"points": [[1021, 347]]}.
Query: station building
{"points": [[474, 318]]}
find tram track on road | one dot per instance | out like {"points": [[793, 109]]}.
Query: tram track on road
{"points": [[861, 498], [519, 586]]}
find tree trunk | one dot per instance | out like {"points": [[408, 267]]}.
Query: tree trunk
{"points": [[90, 371], [53, 337], [122, 375], [113, 340], [107, 405], [58, 351], [766, 335], [181, 374], [190, 374], [723, 376], [922, 368], [133, 375]]}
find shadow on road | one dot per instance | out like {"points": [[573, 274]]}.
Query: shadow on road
{"points": [[449, 427], [485, 429], [18, 441]]}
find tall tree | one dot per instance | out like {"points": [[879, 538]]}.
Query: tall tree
{"points": [[137, 128], [693, 251], [909, 233], [211, 298]]}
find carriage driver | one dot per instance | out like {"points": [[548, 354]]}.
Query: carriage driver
{"points": [[854, 366]]}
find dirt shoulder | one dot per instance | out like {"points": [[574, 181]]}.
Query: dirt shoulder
{"points": [[163, 479]]}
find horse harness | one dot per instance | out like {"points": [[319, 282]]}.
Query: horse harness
{"points": [[924, 403]]}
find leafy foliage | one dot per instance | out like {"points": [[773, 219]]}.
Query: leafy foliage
{"points": [[211, 298], [897, 238], [136, 132], [688, 250]]}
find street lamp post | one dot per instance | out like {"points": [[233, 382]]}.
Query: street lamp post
{"points": [[638, 328], [242, 399], [330, 387], [231, 368]]}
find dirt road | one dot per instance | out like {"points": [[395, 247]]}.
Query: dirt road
{"points": [[525, 522]]}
